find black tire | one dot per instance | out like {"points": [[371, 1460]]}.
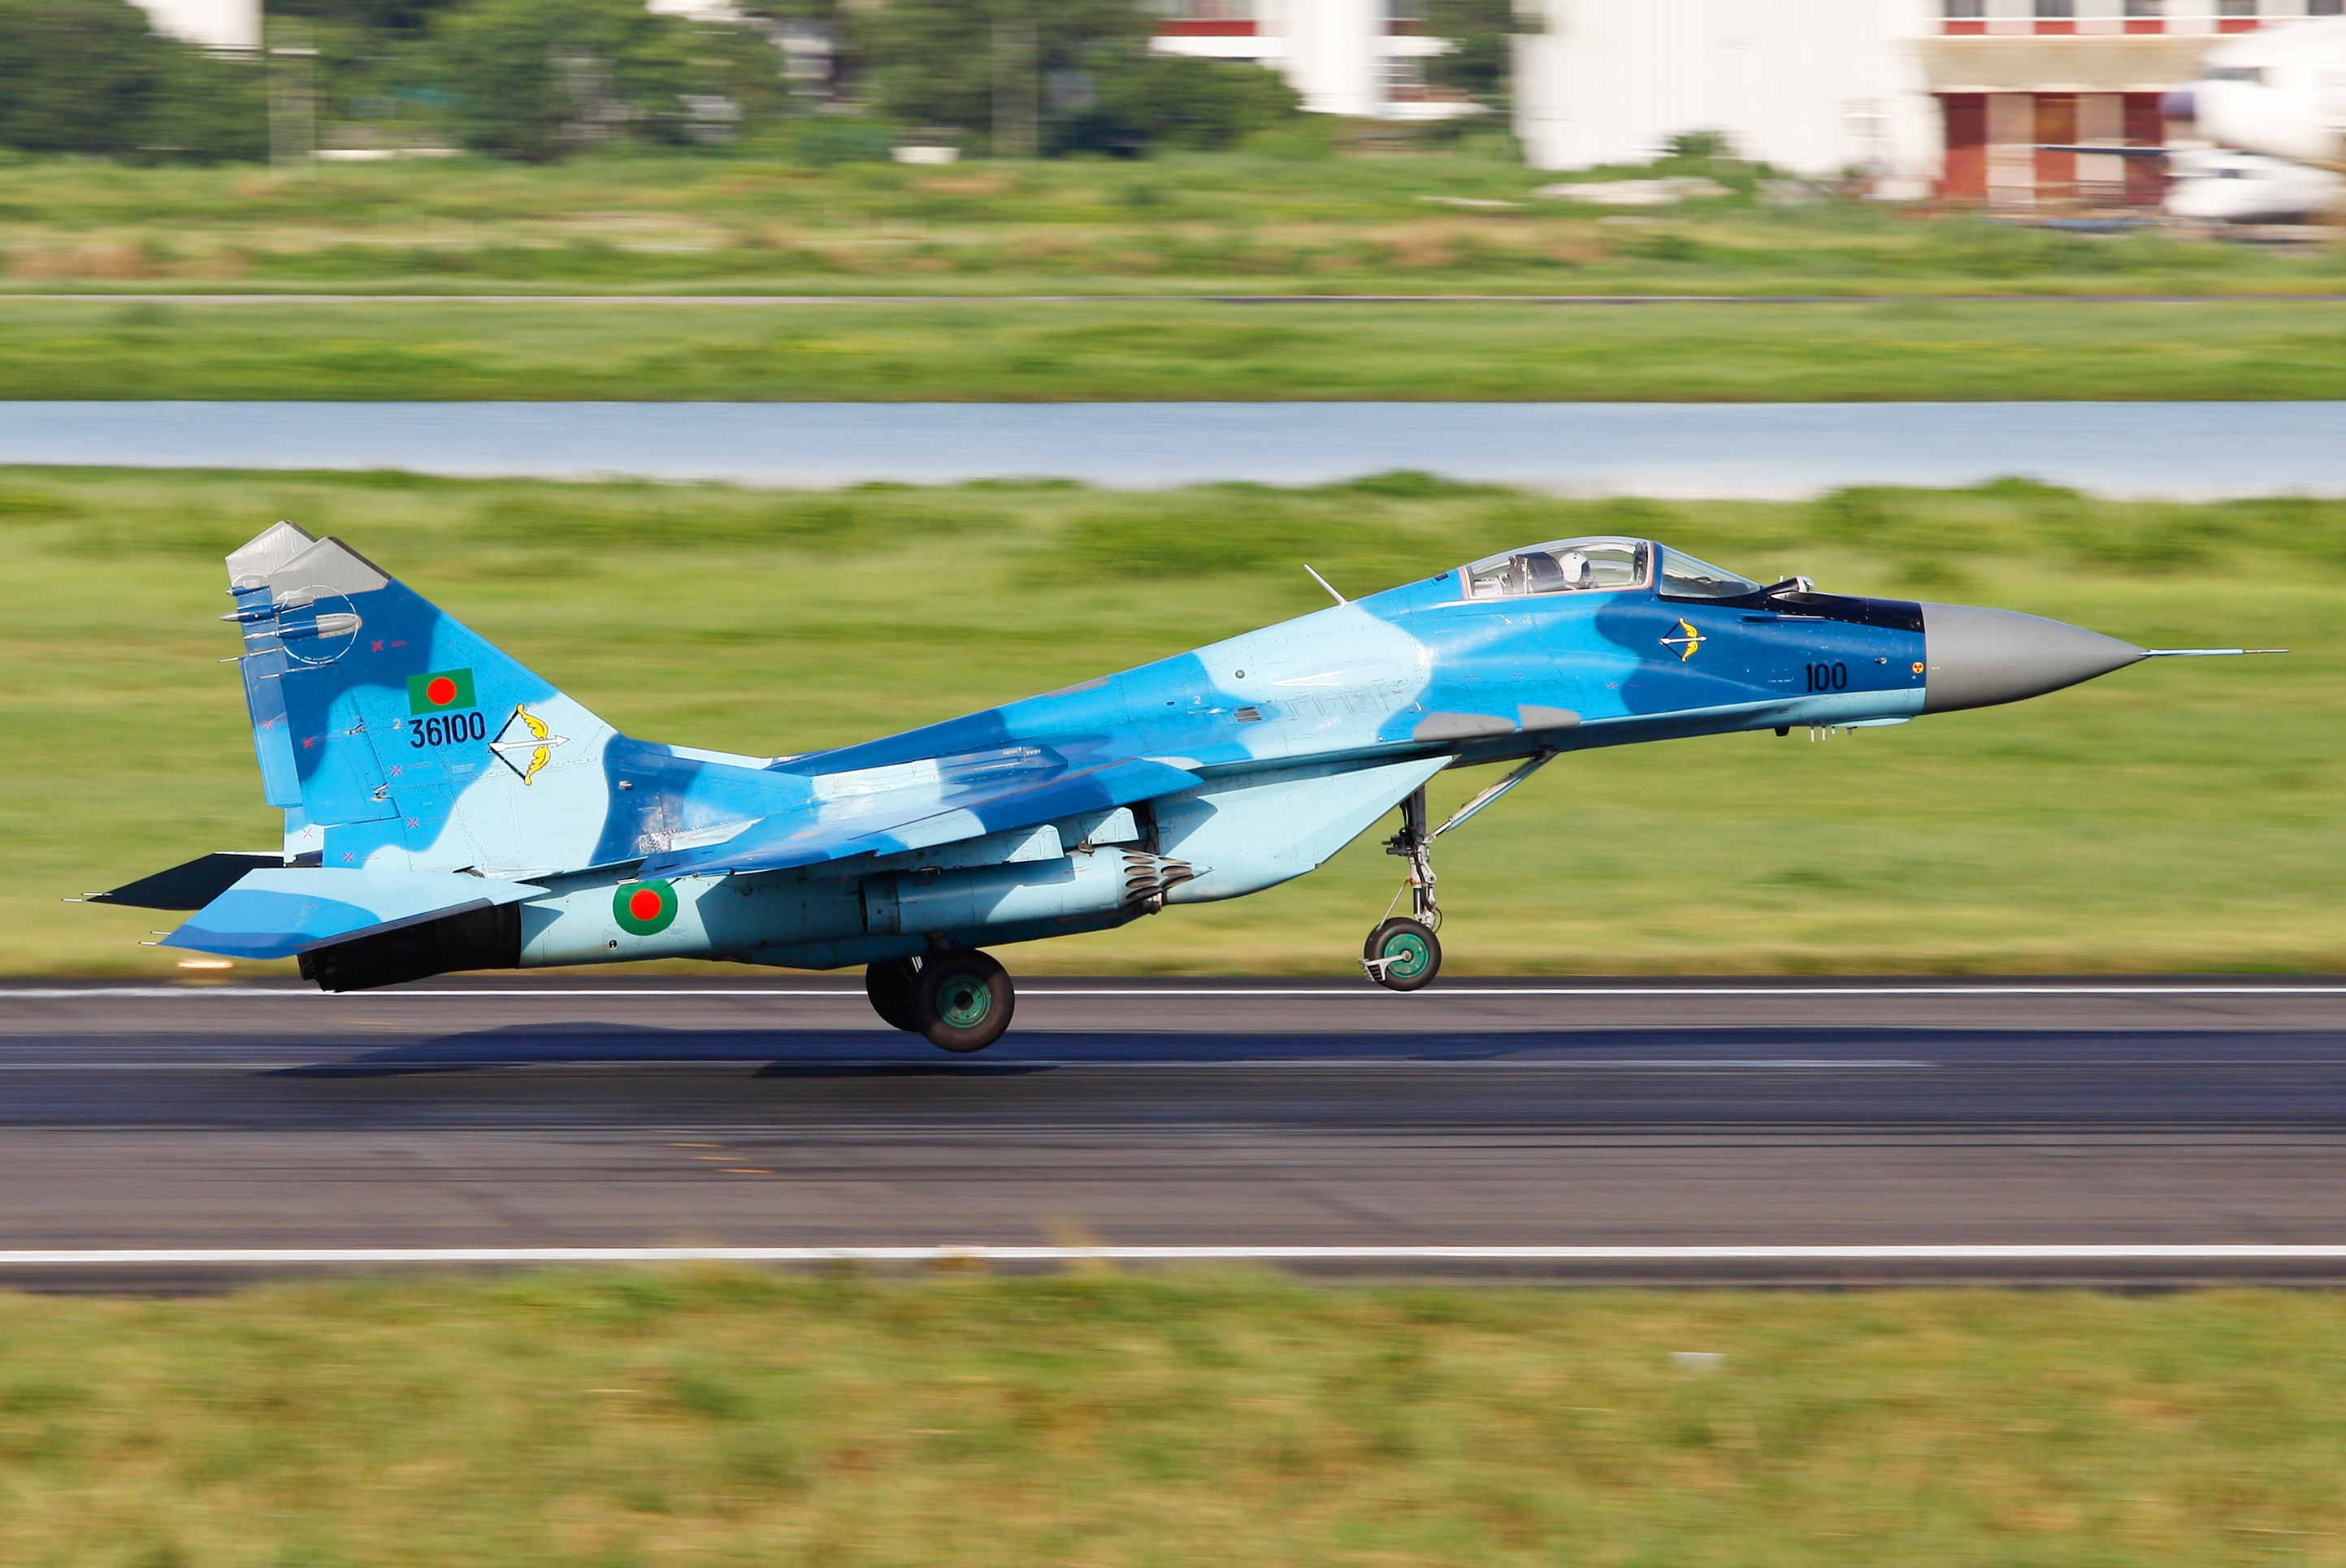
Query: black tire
{"points": [[894, 990], [966, 1000], [1415, 950]]}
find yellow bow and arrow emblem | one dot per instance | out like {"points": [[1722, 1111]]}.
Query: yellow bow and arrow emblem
{"points": [[535, 737], [1686, 640]]}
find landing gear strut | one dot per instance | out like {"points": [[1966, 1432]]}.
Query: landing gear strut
{"points": [[1405, 954], [958, 1000]]}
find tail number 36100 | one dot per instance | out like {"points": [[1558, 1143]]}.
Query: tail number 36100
{"points": [[448, 729]]}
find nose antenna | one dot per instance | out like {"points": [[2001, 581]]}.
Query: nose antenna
{"points": [[2205, 653]]}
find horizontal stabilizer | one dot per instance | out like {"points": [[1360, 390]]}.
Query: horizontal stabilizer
{"points": [[190, 886], [924, 823], [278, 913]]}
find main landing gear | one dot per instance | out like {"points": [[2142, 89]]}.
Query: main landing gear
{"points": [[1403, 954], [959, 1000]]}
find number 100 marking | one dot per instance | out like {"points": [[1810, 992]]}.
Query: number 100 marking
{"points": [[1828, 677]]}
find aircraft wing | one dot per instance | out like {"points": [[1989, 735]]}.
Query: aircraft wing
{"points": [[877, 826], [282, 911]]}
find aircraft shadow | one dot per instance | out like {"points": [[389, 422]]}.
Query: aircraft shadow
{"points": [[814, 1054], [869, 1054]]}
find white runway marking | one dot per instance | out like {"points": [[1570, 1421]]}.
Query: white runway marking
{"points": [[1363, 992], [1316, 1065], [2222, 1252]]}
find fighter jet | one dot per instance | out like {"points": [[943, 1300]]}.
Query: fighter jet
{"points": [[446, 808]]}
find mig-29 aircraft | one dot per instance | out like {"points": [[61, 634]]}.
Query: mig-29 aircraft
{"points": [[446, 809]]}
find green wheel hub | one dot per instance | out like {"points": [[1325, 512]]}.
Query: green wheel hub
{"points": [[1408, 954], [964, 1000]]}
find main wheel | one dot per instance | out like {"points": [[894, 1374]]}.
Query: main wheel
{"points": [[894, 990], [966, 1000], [1409, 954]]}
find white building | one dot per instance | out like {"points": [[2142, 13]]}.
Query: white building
{"points": [[1960, 97], [210, 23], [1809, 85], [1360, 57]]}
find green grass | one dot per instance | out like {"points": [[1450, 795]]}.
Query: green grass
{"points": [[1185, 222], [989, 351], [652, 1419], [2182, 815]]}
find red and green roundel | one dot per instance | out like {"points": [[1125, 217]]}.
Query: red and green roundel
{"points": [[644, 909]]}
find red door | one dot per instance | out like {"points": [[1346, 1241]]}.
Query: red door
{"points": [[1965, 177]]}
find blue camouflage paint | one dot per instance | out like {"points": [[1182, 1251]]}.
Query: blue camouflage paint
{"points": [[277, 913], [1208, 774]]}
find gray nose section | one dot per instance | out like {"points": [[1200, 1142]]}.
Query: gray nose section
{"points": [[1980, 657]]}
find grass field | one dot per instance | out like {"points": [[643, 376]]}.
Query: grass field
{"points": [[654, 1420], [1449, 219], [2183, 815], [988, 351]]}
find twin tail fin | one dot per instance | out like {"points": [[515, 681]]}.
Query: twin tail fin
{"points": [[394, 735]]}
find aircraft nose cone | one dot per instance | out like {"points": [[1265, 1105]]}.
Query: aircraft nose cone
{"points": [[1980, 657]]}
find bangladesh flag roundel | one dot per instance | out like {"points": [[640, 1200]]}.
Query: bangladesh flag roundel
{"points": [[441, 691], [644, 909]]}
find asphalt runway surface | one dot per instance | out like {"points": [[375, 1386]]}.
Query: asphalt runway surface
{"points": [[1695, 1120]]}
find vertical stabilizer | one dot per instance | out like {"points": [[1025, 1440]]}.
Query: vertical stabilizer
{"points": [[395, 737], [264, 700]]}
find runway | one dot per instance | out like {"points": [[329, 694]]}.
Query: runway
{"points": [[1632, 1130]]}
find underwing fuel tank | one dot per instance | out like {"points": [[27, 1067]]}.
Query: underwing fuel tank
{"points": [[1980, 657]]}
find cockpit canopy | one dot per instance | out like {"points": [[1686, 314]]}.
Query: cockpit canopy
{"points": [[1563, 566], [1600, 564]]}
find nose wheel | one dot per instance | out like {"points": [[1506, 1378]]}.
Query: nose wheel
{"points": [[957, 1000], [1403, 954]]}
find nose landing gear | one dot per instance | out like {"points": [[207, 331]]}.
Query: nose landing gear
{"points": [[960, 999], [1404, 954]]}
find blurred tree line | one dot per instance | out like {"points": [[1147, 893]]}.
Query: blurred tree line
{"points": [[91, 77], [540, 80]]}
